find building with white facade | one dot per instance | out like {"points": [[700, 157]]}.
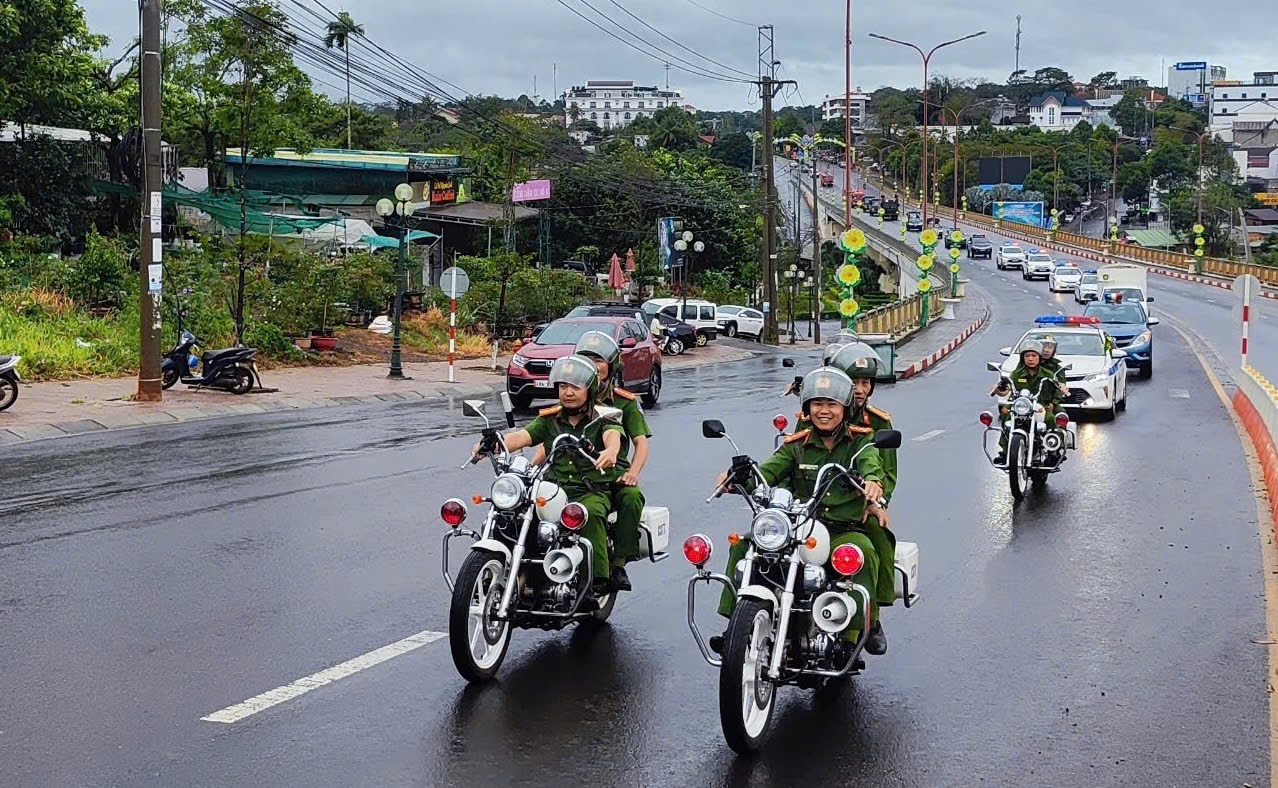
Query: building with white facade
{"points": [[1236, 101], [1059, 112], [1192, 81], [616, 103], [833, 108]]}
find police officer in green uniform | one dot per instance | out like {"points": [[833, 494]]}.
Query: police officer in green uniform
{"points": [[1028, 375], [588, 483], [827, 396], [861, 363], [1049, 361], [627, 498]]}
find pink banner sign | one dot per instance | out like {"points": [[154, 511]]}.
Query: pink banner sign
{"points": [[531, 190]]}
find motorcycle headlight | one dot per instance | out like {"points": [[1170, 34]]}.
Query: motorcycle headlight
{"points": [[518, 361], [1023, 406], [507, 492], [770, 530]]}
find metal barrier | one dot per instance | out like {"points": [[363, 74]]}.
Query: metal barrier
{"points": [[894, 319]]}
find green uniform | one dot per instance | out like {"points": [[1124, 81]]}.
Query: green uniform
{"points": [[627, 500], [794, 467], [577, 476], [883, 538], [1023, 378]]}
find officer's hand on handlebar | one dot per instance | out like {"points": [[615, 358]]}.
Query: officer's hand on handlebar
{"points": [[607, 459], [873, 491]]}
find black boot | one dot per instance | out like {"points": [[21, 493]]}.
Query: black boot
{"points": [[716, 644], [620, 580], [1001, 458], [876, 643]]}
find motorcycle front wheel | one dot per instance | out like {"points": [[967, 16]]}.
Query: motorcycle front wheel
{"points": [[746, 696], [674, 347], [168, 378], [478, 642], [1017, 466], [8, 392]]}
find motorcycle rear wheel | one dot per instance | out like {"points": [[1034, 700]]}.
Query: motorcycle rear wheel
{"points": [[746, 698], [1017, 462], [478, 644], [674, 347], [8, 392], [243, 381]]}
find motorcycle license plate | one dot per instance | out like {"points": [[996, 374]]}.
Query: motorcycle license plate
{"points": [[541, 384]]}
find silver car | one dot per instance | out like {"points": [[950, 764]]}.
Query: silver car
{"points": [[1088, 288], [1064, 279], [1009, 255]]}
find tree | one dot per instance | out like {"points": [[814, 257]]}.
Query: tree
{"points": [[47, 62], [734, 150], [1051, 78], [786, 125], [1102, 80], [339, 34], [833, 128], [673, 129], [1133, 181], [1130, 112]]}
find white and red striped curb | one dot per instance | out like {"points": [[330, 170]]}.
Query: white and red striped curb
{"points": [[950, 347]]}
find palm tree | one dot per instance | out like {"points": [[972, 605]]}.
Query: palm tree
{"points": [[339, 33]]}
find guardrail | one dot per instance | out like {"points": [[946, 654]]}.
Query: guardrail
{"points": [[895, 319]]}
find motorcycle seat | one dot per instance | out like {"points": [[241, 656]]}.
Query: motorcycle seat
{"points": [[212, 355]]}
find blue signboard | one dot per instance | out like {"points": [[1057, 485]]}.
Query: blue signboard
{"points": [[665, 240], [1197, 65], [1020, 212], [989, 187]]}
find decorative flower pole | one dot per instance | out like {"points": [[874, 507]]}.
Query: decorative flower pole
{"points": [[1198, 248], [928, 239], [902, 225], [852, 242], [1113, 238], [964, 203], [882, 212], [956, 238], [1056, 222]]}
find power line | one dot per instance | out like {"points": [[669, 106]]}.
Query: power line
{"points": [[721, 16], [672, 40]]}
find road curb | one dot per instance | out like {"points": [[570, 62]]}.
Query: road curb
{"points": [[947, 349], [1263, 443]]}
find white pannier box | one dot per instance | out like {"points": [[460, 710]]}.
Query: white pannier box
{"points": [[907, 563], [654, 531]]}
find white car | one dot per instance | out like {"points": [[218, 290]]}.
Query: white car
{"points": [[1038, 263], [1009, 255], [735, 320], [1097, 377], [1065, 278], [1088, 288]]}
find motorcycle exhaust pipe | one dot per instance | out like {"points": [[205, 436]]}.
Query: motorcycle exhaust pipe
{"points": [[561, 565], [833, 611], [1052, 441]]}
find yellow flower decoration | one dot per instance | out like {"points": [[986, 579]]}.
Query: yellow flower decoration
{"points": [[956, 236], [925, 286], [954, 253], [1199, 241], [924, 262], [853, 240], [954, 268], [848, 307], [850, 275], [927, 237], [1198, 229]]}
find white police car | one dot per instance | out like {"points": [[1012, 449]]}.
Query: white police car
{"points": [[1038, 264], [1009, 255], [1097, 377]]}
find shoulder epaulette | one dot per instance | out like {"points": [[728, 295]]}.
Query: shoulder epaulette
{"points": [[800, 416], [551, 411], [796, 436], [623, 394], [882, 414], [855, 430]]}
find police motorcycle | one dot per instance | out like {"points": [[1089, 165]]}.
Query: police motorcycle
{"points": [[794, 596], [530, 566], [1035, 448]]}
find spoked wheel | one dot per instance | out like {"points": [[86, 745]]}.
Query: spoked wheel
{"points": [[8, 392], [746, 696], [1018, 465], [703, 340], [477, 640], [674, 347], [243, 381], [168, 378]]}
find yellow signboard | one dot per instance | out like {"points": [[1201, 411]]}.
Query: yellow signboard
{"points": [[1267, 198]]}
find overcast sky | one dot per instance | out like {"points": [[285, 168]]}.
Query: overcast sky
{"points": [[497, 46]]}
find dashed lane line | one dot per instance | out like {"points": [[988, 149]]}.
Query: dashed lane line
{"points": [[927, 436], [295, 689]]}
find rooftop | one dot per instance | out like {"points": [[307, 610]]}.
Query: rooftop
{"points": [[359, 159]]}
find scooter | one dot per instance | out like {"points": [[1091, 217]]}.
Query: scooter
{"points": [[9, 380], [231, 369]]}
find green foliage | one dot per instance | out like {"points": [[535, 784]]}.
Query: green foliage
{"points": [[47, 63], [45, 187], [58, 341], [100, 274]]}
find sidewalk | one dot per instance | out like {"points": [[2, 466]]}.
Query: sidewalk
{"points": [[56, 409], [926, 347]]}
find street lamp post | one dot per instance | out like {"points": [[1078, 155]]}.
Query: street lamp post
{"points": [[1198, 179], [795, 280], [683, 244], [403, 207], [958, 121], [927, 58]]}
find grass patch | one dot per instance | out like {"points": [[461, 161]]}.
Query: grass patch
{"points": [[59, 342], [428, 333]]}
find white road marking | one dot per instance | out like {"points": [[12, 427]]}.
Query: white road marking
{"points": [[1178, 393], [927, 436], [327, 676]]}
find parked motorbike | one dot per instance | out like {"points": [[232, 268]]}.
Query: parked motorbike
{"points": [[795, 597], [231, 369], [9, 381], [530, 567], [1035, 449]]}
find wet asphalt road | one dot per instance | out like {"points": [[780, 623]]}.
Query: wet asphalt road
{"points": [[1101, 633]]}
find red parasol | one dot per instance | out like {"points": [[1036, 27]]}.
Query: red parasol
{"points": [[616, 278], [630, 261]]}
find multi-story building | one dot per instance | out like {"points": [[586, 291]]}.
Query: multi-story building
{"points": [[834, 108], [616, 103], [1238, 101], [1192, 80]]}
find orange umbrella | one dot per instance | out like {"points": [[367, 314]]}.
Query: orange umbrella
{"points": [[616, 278], [630, 261]]}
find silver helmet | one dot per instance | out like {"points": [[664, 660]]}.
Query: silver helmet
{"points": [[597, 344], [826, 383], [576, 371], [1031, 346], [857, 360]]}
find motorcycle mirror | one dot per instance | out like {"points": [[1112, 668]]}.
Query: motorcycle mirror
{"points": [[1068, 365], [993, 366], [887, 439], [1149, 299], [509, 406], [712, 428], [1007, 351], [609, 414], [787, 363], [473, 408]]}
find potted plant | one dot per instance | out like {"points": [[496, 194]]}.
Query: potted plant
{"points": [[322, 338]]}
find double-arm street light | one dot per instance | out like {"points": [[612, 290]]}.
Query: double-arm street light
{"points": [[958, 122], [403, 207], [927, 58], [683, 244]]}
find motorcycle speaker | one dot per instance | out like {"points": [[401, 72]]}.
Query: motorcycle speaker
{"points": [[833, 611], [1052, 441], [560, 565]]}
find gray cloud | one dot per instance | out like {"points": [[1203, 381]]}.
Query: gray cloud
{"points": [[497, 46]]}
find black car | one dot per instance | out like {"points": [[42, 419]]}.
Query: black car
{"points": [[914, 222], [685, 333], [598, 310], [979, 246], [950, 242], [891, 210]]}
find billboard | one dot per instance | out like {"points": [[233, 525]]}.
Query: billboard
{"points": [[665, 240], [1020, 212], [531, 190], [1196, 65], [992, 170]]}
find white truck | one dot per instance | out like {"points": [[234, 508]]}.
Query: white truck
{"points": [[1124, 278]]}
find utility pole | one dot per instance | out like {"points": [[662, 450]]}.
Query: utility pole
{"points": [[152, 237], [1018, 44], [667, 76], [768, 89], [816, 255]]}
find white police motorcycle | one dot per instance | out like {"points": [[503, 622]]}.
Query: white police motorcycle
{"points": [[1035, 448]]}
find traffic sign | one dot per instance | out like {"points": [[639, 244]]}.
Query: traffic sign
{"points": [[454, 281]]}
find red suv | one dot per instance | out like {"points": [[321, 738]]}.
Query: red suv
{"points": [[528, 376]]}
